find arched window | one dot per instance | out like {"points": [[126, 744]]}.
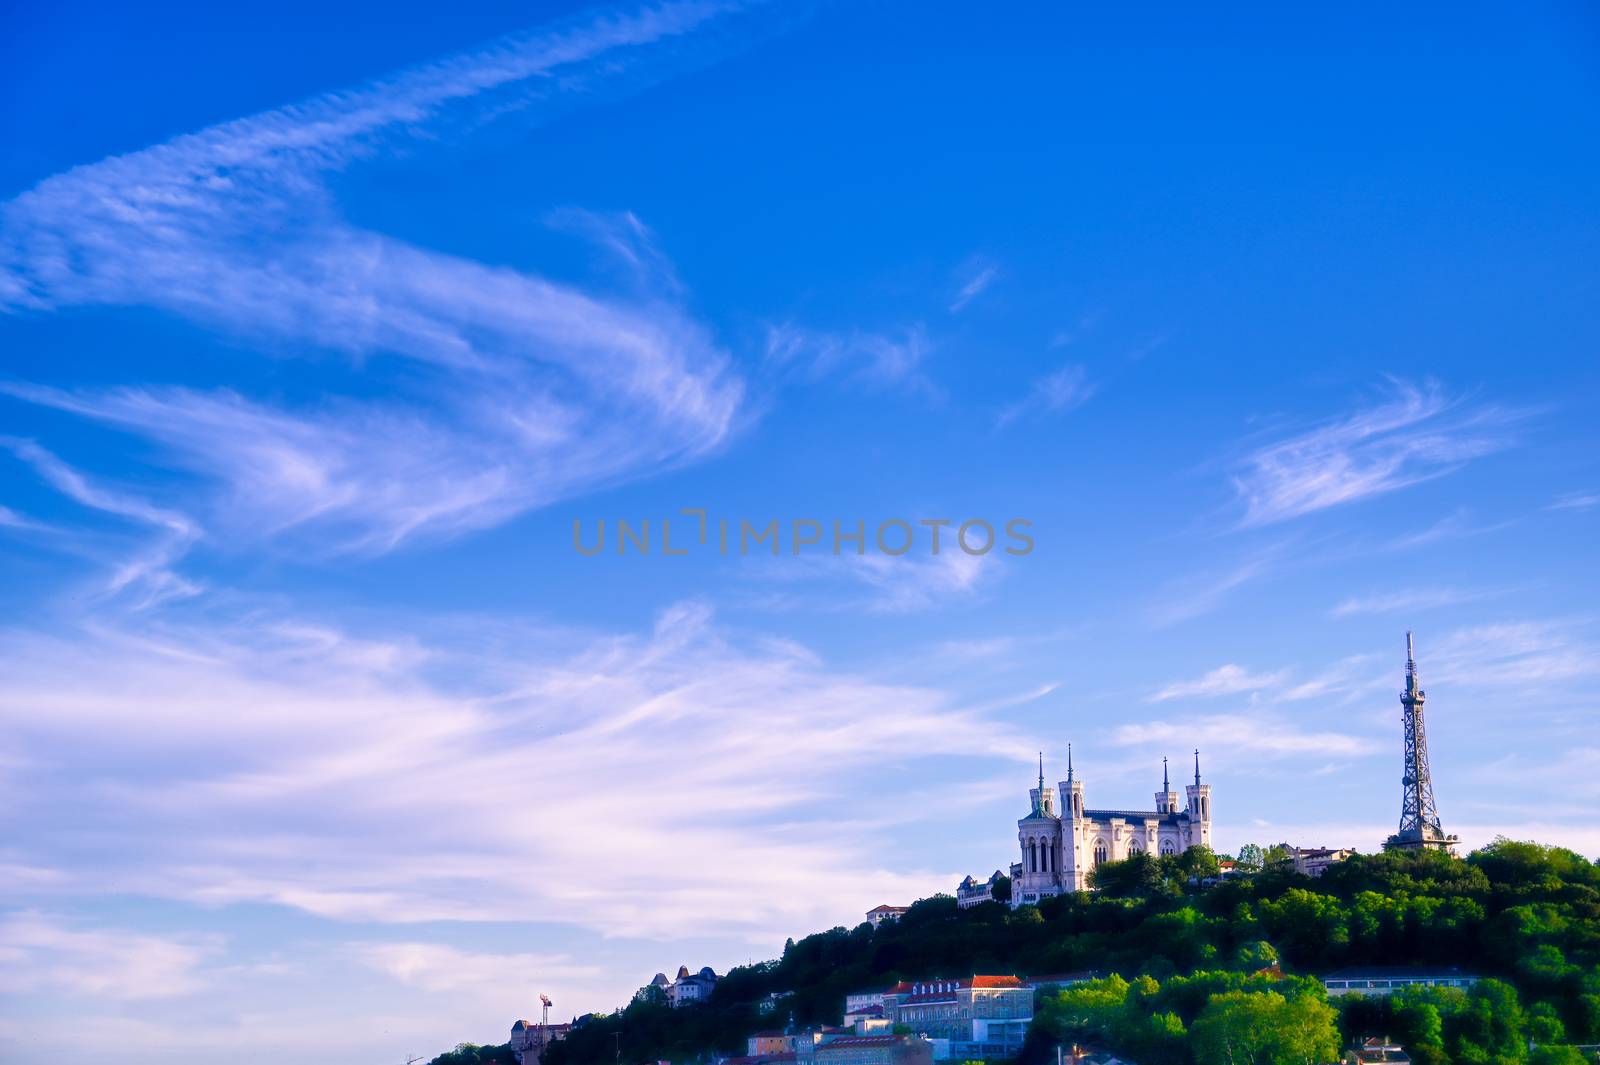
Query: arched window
{"points": [[1049, 858], [1134, 847], [1033, 857], [1167, 847], [1099, 851]]}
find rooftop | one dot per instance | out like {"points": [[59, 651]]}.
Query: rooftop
{"points": [[922, 990], [1399, 972]]}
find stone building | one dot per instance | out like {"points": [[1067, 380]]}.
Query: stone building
{"points": [[977, 1017], [687, 989], [1060, 847], [529, 1039], [973, 892], [875, 1050]]}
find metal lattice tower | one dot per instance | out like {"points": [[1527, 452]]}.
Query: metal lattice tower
{"points": [[1419, 816]]}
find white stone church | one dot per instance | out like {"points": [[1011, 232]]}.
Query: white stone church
{"points": [[1061, 845]]}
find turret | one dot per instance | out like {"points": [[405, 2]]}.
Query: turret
{"points": [[1043, 800], [1071, 793], [1166, 798], [1199, 807]]}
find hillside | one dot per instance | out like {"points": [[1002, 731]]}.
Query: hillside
{"points": [[1526, 915]]}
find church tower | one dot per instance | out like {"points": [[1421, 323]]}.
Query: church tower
{"points": [[1166, 798], [1074, 843], [1038, 875], [1071, 793], [1199, 808]]}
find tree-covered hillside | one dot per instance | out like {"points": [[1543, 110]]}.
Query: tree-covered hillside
{"points": [[1189, 964]]}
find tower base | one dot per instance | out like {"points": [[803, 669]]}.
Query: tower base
{"points": [[1414, 841]]}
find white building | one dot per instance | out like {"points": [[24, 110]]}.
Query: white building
{"points": [[1060, 847], [687, 989], [1387, 979], [879, 914], [1314, 861], [980, 1017]]}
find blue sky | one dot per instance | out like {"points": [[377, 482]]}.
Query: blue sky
{"points": [[322, 328]]}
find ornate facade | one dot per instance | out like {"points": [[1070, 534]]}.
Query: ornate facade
{"points": [[1060, 845]]}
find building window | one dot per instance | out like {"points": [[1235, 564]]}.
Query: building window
{"points": [[1099, 851]]}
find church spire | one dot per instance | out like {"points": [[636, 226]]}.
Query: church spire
{"points": [[1069, 763], [1197, 767], [1038, 802], [1166, 785]]}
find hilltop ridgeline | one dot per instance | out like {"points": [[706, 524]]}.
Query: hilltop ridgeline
{"points": [[1194, 968]]}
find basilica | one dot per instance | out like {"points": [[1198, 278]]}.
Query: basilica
{"points": [[1060, 845]]}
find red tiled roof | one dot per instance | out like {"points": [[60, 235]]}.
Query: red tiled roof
{"points": [[981, 983]]}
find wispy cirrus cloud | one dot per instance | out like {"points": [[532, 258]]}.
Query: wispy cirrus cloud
{"points": [[1224, 680], [1576, 501], [877, 584], [515, 389], [1200, 594], [366, 778], [146, 571], [1417, 435], [42, 952], [1409, 599], [1061, 390], [1236, 734], [438, 967], [976, 276], [877, 359], [1532, 652]]}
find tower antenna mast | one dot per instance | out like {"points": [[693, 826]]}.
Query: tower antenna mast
{"points": [[1419, 815]]}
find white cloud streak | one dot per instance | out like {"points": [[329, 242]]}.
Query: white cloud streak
{"points": [[1062, 390], [1243, 734], [1416, 436], [438, 967], [862, 357], [148, 572], [362, 779], [1410, 599], [519, 387], [40, 952], [1576, 501], [1224, 680], [979, 275]]}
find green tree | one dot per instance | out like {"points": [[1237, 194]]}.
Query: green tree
{"points": [[1251, 857], [1198, 863], [1489, 1030], [1265, 1028], [1137, 876], [1558, 1055], [1255, 955]]}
